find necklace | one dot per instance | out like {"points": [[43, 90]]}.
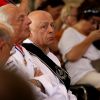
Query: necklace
{"points": [[19, 48]]}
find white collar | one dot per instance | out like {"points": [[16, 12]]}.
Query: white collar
{"points": [[27, 41]]}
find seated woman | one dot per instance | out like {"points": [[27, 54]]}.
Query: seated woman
{"points": [[76, 46]]}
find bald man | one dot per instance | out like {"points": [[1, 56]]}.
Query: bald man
{"points": [[42, 35]]}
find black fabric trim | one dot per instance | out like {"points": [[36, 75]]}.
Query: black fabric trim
{"points": [[58, 71]]}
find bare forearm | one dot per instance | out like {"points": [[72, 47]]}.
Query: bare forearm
{"points": [[78, 51], [38, 84]]}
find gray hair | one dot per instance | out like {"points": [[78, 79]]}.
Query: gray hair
{"points": [[4, 19]]}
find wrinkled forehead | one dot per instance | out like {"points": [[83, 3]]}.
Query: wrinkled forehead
{"points": [[44, 22], [40, 18], [44, 18]]}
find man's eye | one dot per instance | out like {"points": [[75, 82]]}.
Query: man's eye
{"points": [[44, 26], [21, 19], [52, 25]]}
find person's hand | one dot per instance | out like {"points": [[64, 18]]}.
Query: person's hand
{"points": [[38, 84], [95, 35], [37, 72]]}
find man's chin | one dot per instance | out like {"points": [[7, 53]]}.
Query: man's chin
{"points": [[28, 34], [25, 37]]}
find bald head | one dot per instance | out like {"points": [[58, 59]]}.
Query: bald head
{"points": [[39, 13], [39, 16]]}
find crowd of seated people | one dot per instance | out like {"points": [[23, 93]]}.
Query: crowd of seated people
{"points": [[22, 62], [27, 40]]}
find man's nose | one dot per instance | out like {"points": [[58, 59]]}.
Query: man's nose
{"points": [[51, 29], [28, 20]]}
